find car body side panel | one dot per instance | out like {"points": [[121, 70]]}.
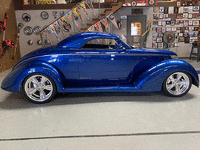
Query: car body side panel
{"points": [[105, 67], [152, 79]]}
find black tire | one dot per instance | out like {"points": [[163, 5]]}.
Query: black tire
{"points": [[42, 86], [172, 84]]}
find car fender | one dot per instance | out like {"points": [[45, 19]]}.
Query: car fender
{"points": [[152, 79], [14, 79]]}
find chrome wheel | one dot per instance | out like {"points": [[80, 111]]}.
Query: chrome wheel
{"points": [[38, 88], [178, 83]]}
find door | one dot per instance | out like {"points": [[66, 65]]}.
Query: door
{"points": [[103, 65], [136, 26]]}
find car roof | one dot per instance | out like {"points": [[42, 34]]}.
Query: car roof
{"points": [[78, 40]]}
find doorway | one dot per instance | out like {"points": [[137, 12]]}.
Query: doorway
{"points": [[136, 26]]}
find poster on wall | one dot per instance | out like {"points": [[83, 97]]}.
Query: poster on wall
{"points": [[136, 28]]}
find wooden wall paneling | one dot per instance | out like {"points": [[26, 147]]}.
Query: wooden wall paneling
{"points": [[6, 62]]}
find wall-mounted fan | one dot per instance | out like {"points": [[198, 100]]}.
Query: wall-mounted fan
{"points": [[169, 37]]}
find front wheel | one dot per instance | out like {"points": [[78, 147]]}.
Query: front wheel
{"points": [[177, 84], [39, 88]]}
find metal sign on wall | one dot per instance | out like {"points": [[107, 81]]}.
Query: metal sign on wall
{"points": [[140, 2]]}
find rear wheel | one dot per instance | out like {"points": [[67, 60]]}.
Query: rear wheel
{"points": [[177, 84], [39, 88]]}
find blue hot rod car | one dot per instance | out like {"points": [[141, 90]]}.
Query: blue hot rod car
{"points": [[98, 62]]}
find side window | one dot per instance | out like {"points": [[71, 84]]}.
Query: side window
{"points": [[102, 44]]}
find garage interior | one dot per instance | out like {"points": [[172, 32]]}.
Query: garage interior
{"points": [[141, 121]]}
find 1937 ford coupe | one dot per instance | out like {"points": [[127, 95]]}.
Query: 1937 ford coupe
{"points": [[98, 62]]}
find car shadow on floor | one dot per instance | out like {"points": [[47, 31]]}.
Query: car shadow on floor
{"points": [[17, 101]]}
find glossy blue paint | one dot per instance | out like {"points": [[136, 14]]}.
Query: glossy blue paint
{"points": [[76, 69], [78, 40]]}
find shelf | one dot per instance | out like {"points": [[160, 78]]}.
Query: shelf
{"points": [[55, 6]]}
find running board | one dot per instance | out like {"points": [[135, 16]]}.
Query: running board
{"points": [[103, 89]]}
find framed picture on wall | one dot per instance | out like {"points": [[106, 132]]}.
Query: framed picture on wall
{"points": [[194, 15], [181, 39], [168, 22], [190, 22], [178, 4], [161, 9], [170, 10], [159, 22], [186, 34], [165, 15], [195, 8], [185, 9], [173, 28], [191, 34], [163, 29], [195, 28], [195, 23], [160, 45], [168, 29], [155, 35], [185, 15], [156, 9], [191, 28], [186, 23], [154, 45], [179, 16], [190, 16], [180, 10], [159, 39], [163, 23], [155, 22], [155, 16], [159, 29], [154, 40], [177, 22], [161, 16], [195, 34], [180, 34], [160, 34]]}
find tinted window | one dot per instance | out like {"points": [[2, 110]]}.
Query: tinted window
{"points": [[103, 44]]}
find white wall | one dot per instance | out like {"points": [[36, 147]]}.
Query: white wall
{"points": [[36, 20]]}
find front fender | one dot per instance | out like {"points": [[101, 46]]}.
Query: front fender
{"points": [[152, 79], [14, 79]]}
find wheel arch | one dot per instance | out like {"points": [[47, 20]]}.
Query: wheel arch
{"points": [[152, 79], [15, 78]]}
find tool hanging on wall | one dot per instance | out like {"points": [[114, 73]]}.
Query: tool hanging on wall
{"points": [[3, 23], [6, 43], [19, 27]]}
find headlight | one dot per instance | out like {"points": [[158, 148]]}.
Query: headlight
{"points": [[174, 56]]}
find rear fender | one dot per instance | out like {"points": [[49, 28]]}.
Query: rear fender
{"points": [[15, 78], [152, 79]]}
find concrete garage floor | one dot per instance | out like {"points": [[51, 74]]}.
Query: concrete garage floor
{"points": [[139, 121]]}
